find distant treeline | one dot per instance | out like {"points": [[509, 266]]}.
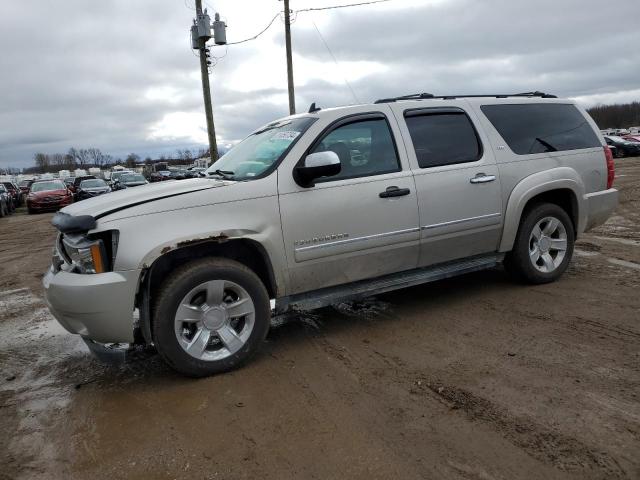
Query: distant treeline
{"points": [[616, 116], [92, 157]]}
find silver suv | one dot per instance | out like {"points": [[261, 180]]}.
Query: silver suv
{"points": [[330, 205]]}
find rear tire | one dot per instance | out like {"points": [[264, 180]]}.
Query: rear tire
{"points": [[210, 316], [544, 245]]}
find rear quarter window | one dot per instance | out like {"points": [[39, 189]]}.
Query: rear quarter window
{"points": [[541, 127]]}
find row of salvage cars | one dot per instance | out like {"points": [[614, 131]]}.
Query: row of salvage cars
{"points": [[11, 197], [53, 194]]}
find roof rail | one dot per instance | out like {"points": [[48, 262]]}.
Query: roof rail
{"points": [[414, 96], [422, 96]]}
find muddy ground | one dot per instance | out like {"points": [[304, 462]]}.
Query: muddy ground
{"points": [[469, 378]]}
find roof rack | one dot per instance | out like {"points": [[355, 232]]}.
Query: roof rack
{"points": [[423, 96]]}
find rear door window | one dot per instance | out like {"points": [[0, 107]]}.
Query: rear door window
{"points": [[442, 137], [541, 127]]}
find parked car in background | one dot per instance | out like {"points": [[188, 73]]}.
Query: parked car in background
{"points": [[15, 192], [25, 185], [48, 195], [197, 171], [91, 188], [156, 177], [115, 176], [166, 174], [624, 147], [78, 180], [129, 180], [5, 202]]}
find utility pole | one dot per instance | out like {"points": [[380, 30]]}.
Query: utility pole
{"points": [[200, 33], [287, 39]]}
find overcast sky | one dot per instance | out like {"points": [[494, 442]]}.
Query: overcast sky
{"points": [[119, 75]]}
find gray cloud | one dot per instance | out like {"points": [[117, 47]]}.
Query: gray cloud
{"points": [[78, 73]]}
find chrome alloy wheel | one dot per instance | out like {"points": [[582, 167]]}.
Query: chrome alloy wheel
{"points": [[214, 320], [547, 244]]}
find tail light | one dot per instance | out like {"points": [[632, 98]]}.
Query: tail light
{"points": [[611, 169]]}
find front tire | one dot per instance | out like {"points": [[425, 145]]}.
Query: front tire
{"points": [[210, 316], [544, 245]]}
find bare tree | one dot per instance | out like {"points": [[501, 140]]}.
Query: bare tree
{"points": [[69, 161], [57, 160], [132, 159], [42, 161]]}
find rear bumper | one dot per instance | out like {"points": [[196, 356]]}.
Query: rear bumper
{"points": [[98, 307], [600, 206]]}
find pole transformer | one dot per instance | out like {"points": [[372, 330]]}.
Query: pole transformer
{"points": [[200, 34]]}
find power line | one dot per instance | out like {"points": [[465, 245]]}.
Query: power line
{"points": [[305, 10], [258, 34], [336, 62], [341, 6]]}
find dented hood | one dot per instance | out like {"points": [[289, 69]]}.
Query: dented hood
{"points": [[105, 204]]}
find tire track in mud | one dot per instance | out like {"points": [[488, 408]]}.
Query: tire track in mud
{"points": [[564, 452], [542, 443]]}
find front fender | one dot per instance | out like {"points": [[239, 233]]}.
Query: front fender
{"points": [[561, 178]]}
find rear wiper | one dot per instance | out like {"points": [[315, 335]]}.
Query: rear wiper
{"points": [[226, 174]]}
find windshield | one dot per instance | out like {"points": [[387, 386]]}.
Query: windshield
{"points": [[261, 150], [117, 175], [44, 186], [96, 183], [132, 178]]}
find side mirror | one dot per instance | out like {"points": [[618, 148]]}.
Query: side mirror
{"points": [[316, 165]]}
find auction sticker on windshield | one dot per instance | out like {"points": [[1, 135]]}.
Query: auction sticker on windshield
{"points": [[285, 135]]}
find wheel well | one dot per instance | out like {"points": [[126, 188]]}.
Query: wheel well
{"points": [[247, 252], [563, 197]]}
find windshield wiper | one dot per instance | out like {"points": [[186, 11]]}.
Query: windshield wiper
{"points": [[225, 174], [271, 127], [547, 145]]}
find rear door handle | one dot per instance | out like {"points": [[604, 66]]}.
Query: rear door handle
{"points": [[482, 178], [394, 192]]}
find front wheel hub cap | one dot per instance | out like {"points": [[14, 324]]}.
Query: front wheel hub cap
{"points": [[215, 317]]}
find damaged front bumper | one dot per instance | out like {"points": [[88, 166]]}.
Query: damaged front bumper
{"points": [[98, 307]]}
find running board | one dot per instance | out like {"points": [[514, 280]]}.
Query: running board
{"points": [[365, 288]]}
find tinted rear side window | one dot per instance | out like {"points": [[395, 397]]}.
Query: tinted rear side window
{"points": [[539, 128], [442, 138]]}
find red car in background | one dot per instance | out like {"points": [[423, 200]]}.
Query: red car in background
{"points": [[48, 195]]}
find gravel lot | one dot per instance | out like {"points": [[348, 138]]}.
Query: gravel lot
{"points": [[469, 378]]}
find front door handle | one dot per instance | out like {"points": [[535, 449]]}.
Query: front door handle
{"points": [[482, 178], [394, 192]]}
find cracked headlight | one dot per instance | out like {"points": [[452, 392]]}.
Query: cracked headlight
{"points": [[86, 256]]}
